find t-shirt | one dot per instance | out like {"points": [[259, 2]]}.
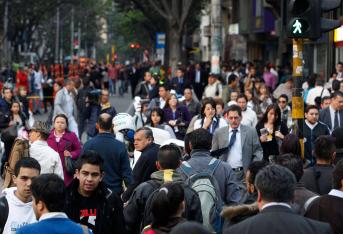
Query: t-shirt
{"points": [[87, 211]]}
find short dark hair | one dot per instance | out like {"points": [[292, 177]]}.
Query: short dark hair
{"points": [[90, 157], [165, 86], [219, 101], [169, 156], [26, 162], [324, 147], [325, 98], [242, 95], [6, 88], [293, 163], [50, 189], [105, 121], [254, 168], [283, 96], [232, 78], [310, 107], [275, 183], [200, 139], [337, 94], [337, 175], [234, 108]]}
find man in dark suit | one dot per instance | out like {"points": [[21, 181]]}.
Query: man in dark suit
{"points": [[328, 208], [333, 115], [146, 164], [179, 83], [199, 80], [275, 191]]}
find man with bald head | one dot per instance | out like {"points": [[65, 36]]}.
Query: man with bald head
{"points": [[116, 162]]}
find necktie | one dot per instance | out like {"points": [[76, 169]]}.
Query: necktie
{"points": [[336, 123], [233, 138]]}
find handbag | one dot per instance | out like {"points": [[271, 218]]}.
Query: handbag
{"points": [[69, 163], [9, 133]]}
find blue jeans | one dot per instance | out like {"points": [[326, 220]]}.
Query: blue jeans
{"points": [[112, 86], [121, 87]]}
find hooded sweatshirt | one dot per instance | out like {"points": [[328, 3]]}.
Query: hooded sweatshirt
{"points": [[19, 213]]}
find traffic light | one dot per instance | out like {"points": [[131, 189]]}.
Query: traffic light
{"points": [[304, 18], [132, 45]]}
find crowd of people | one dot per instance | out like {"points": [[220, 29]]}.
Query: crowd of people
{"points": [[235, 164]]}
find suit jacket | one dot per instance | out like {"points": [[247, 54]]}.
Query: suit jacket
{"points": [[251, 147], [279, 220], [325, 117], [179, 87]]}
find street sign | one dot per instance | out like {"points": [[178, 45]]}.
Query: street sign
{"points": [[160, 40]]}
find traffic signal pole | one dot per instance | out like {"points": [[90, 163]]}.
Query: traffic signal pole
{"points": [[297, 100]]}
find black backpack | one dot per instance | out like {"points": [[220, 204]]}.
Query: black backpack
{"points": [[3, 212]]}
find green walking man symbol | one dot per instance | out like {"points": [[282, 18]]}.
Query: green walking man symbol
{"points": [[297, 27]]}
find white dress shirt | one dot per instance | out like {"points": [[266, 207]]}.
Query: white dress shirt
{"points": [[234, 158], [249, 118], [336, 193]]}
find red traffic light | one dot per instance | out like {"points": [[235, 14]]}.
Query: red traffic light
{"points": [[132, 46]]}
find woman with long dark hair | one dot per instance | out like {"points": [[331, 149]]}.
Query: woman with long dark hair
{"points": [[166, 208], [209, 119], [271, 131], [155, 120]]}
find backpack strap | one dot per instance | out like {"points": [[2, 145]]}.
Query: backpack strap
{"points": [[212, 166], [3, 213], [186, 168]]}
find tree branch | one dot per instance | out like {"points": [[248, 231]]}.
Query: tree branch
{"points": [[185, 12], [159, 10]]}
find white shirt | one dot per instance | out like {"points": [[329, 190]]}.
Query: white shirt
{"points": [[249, 118], [311, 126], [211, 89], [222, 123], [336, 193], [69, 104], [197, 76], [47, 157], [235, 155], [50, 215], [276, 204], [38, 79], [162, 103], [19, 213], [332, 115], [315, 92]]}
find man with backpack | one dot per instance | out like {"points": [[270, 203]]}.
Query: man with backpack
{"points": [[213, 180], [16, 206], [137, 211]]}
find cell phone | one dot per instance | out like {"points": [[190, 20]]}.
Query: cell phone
{"points": [[264, 131]]}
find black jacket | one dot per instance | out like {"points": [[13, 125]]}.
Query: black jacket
{"points": [[109, 216], [135, 209], [144, 167], [279, 220], [311, 135]]}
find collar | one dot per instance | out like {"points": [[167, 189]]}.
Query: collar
{"points": [[331, 109], [311, 126], [336, 193], [39, 142], [50, 215], [238, 129], [105, 106], [276, 204], [65, 91], [200, 152], [56, 134]]}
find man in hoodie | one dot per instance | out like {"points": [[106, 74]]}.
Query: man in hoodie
{"points": [[169, 159], [16, 206], [47, 157]]}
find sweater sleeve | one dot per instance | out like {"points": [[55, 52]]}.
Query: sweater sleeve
{"points": [[76, 147]]}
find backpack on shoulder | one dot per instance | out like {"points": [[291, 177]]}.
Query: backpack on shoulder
{"points": [[20, 149], [207, 188]]}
